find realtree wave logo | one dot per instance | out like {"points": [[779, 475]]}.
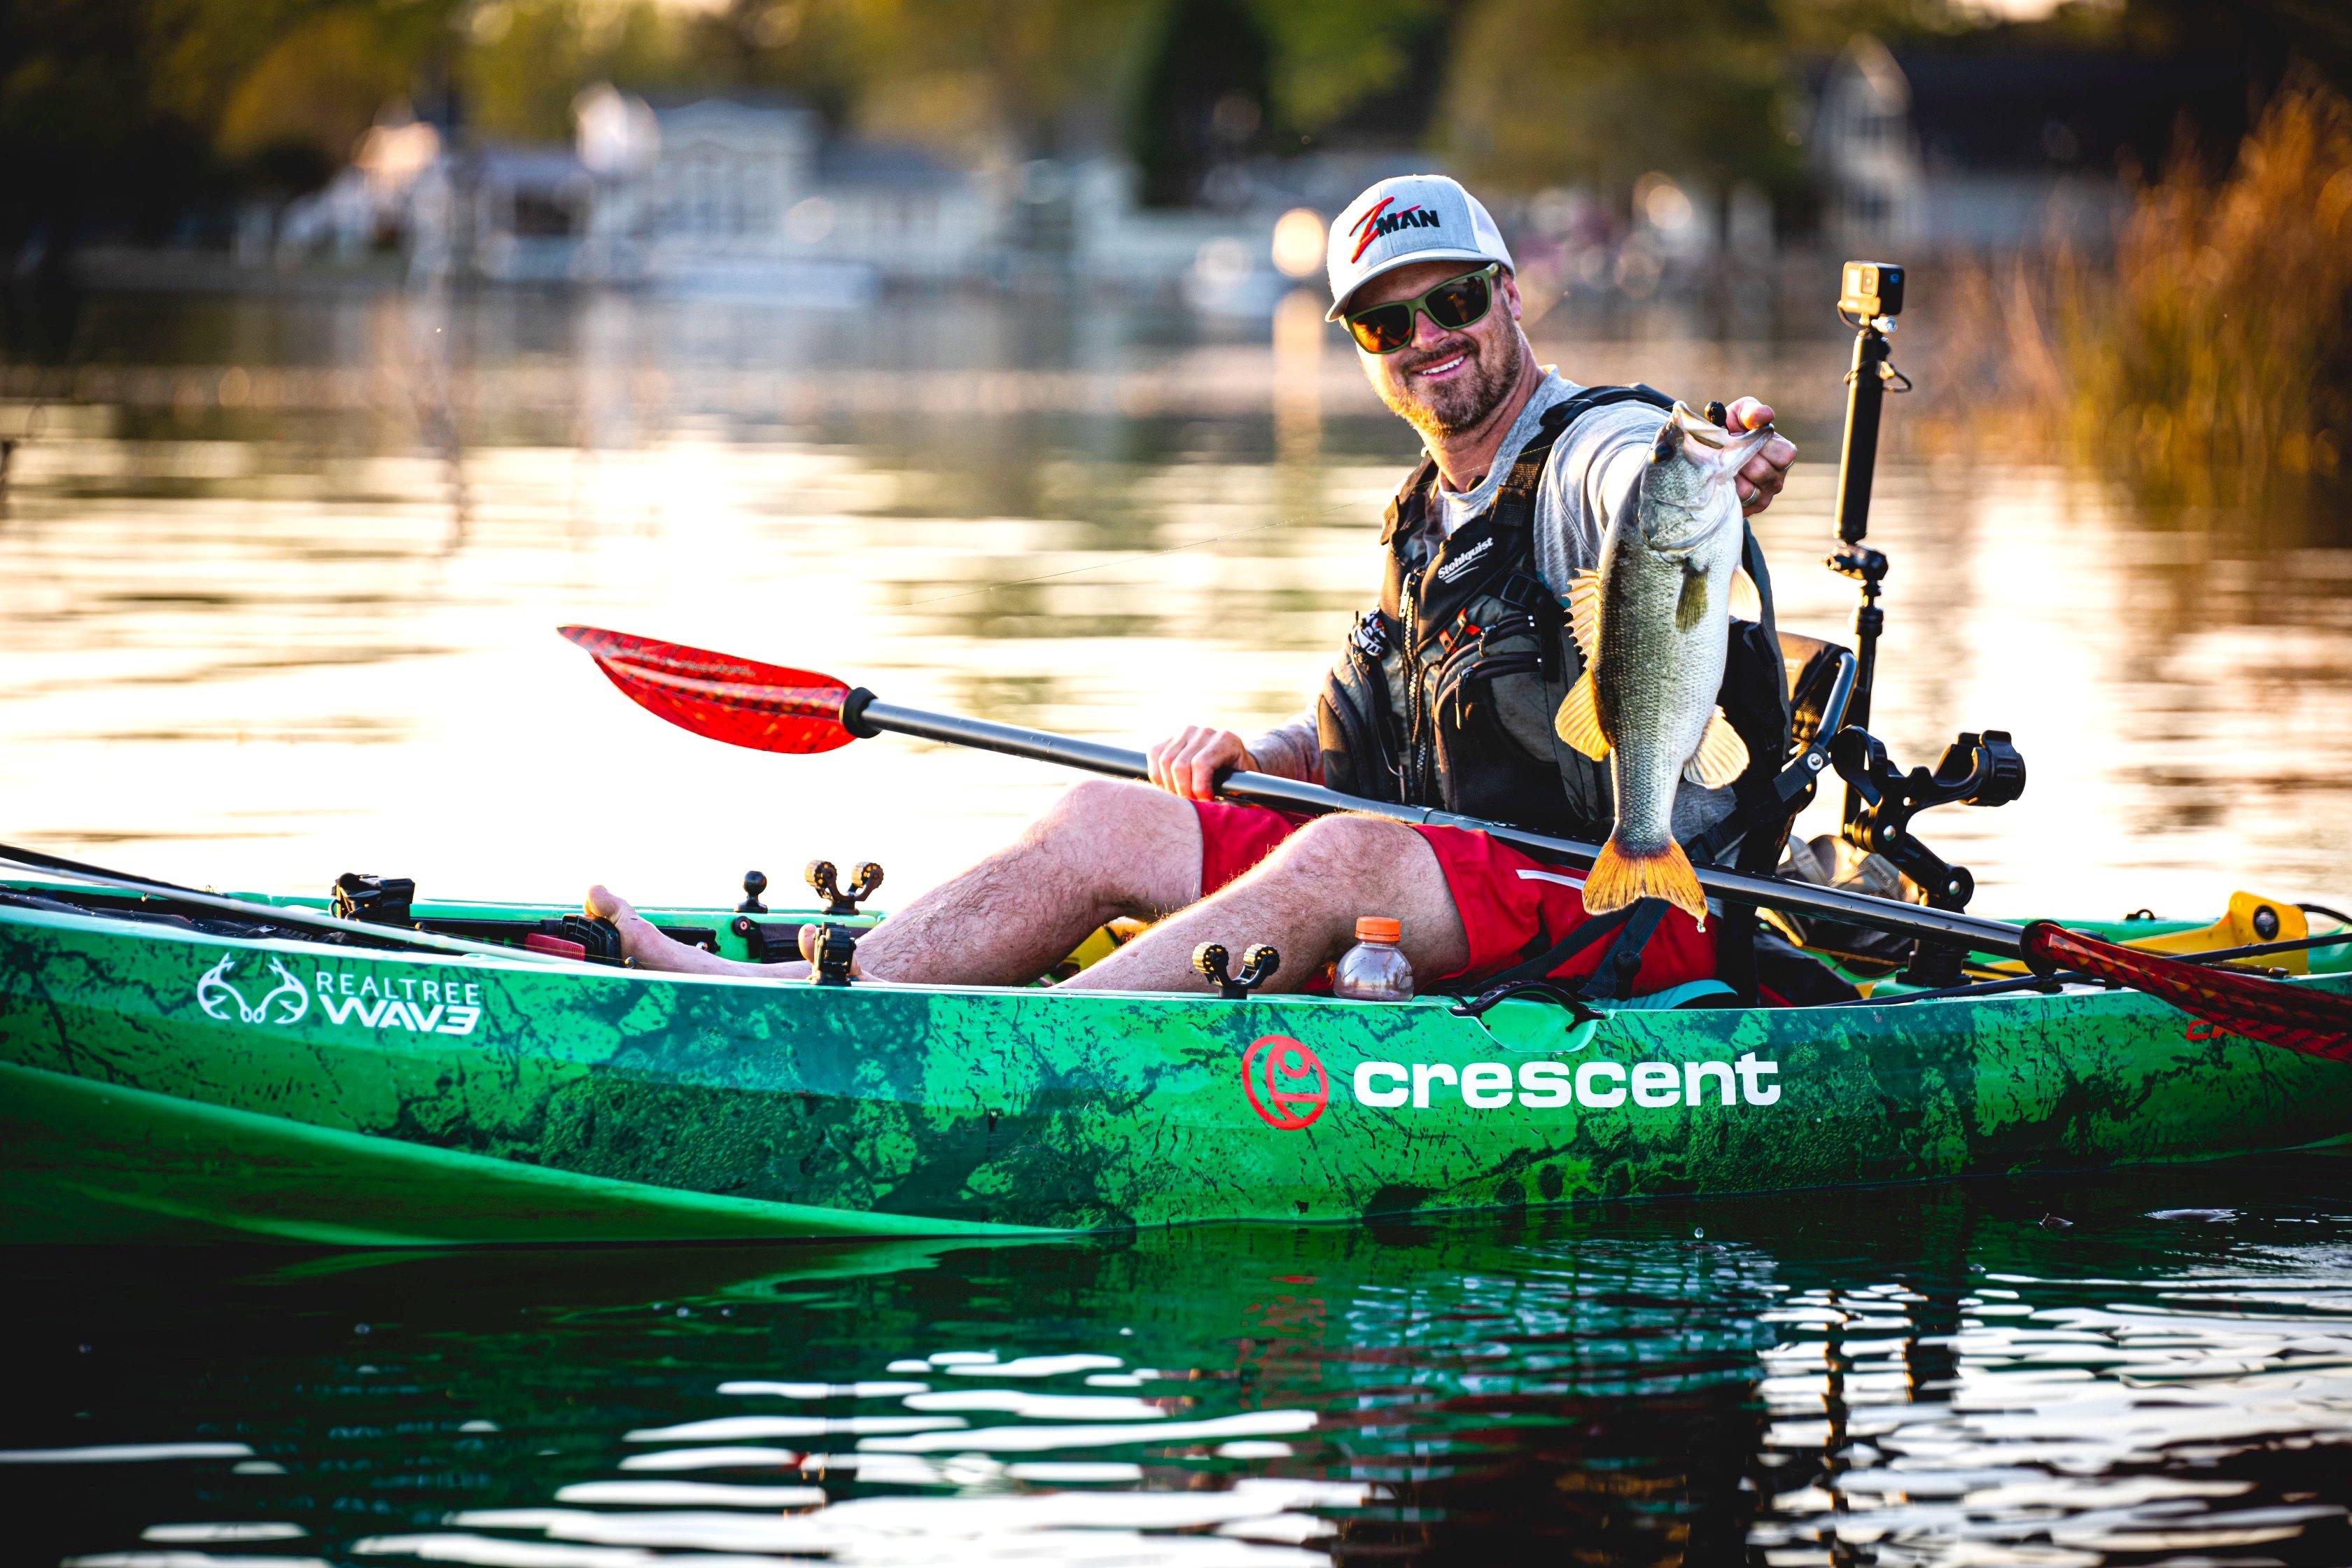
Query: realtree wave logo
{"points": [[283, 1004], [1296, 1089], [428, 1002]]}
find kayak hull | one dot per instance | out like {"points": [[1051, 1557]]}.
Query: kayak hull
{"points": [[95, 1162], [158, 1084]]}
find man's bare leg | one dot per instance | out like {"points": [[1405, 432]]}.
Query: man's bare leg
{"points": [[1304, 899], [1105, 852]]}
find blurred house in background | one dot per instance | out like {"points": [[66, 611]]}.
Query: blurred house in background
{"points": [[370, 201], [1980, 151], [819, 150], [710, 196], [719, 204], [1865, 153], [526, 209], [1980, 138], [752, 197]]}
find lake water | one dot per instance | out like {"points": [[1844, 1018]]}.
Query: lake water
{"points": [[2153, 1367], [279, 579]]}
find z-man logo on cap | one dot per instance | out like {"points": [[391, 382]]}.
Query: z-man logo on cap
{"points": [[1379, 221], [1285, 1069]]}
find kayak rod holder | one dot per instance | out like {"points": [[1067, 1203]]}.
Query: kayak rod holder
{"points": [[824, 879], [1212, 963]]}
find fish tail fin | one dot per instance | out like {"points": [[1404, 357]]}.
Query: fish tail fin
{"points": [[1620, 876]]}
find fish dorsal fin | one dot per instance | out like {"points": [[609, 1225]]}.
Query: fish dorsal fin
{"points": [[1747, 601], [1721, 757], [1691, 608], [1584, 614], [1579, 720]]}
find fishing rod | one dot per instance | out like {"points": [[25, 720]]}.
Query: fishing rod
{"points": [[258, 912], [769, 708]]}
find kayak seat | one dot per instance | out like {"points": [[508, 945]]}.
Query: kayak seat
{"points": [[1821, 687], [1814, 667]]}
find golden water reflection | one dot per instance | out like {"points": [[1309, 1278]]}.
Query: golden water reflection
{"points": [[261, 631]]}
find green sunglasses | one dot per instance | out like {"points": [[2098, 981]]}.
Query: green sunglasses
{"points": [[1456, 303]]}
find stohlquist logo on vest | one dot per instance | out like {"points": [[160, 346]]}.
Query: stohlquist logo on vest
{"points": [[1454, 568]]}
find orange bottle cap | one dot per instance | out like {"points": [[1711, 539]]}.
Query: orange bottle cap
{"points": [[1377, 928]]}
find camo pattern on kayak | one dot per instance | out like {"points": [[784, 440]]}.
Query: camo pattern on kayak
{"points": [[176, 1083]]}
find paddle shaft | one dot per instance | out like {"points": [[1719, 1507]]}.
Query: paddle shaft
{"points": [[863, 714]]}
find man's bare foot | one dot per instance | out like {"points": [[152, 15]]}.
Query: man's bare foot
{"points": [[640, 943]]}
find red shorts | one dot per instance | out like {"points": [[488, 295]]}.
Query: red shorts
{"points": [[1512, 906]]}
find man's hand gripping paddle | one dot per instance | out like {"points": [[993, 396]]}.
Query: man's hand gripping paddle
{"points": [[769, 708]]}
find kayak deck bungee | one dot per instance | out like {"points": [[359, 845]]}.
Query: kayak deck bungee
{"points": [[159, 1081]]}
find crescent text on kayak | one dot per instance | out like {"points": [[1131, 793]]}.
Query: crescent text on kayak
{"points": [[1549, 1084]]}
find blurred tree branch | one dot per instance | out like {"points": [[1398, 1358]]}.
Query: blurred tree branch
{"points": [[1606, 91]]}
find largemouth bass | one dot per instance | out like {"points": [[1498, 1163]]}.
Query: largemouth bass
{"points": [[1653, 623]]}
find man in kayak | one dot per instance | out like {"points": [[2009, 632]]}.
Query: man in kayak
{"points": [[1444, 696]]}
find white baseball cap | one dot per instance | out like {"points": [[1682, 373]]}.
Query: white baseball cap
{"points": [[1409, 218]]}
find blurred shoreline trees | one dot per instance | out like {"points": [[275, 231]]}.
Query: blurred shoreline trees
{"points": [[2209, 359], [147, 117]]}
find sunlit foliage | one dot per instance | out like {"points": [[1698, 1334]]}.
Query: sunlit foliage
{"points": [[1606, 91], [153, 110], [2220, 342]]}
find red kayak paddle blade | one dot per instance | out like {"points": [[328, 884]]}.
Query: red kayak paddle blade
{"points": [[738, 700], [2317, 1023]]}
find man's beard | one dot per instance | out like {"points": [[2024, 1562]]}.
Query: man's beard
{"points": [[1463, 403]]}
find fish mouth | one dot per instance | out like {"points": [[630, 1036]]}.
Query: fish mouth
{"points": [[1718, 452], [1686, 503]]}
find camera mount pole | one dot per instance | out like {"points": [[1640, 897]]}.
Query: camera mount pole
{"points": [[1866, 390]]}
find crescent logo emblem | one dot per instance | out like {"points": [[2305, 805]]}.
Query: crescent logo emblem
{"points": [[1296, 1090]]}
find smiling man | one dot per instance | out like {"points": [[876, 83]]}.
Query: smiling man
{"points": [[1443, 694]]}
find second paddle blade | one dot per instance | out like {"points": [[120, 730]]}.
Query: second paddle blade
{"points": [[740, 701], [2300, 1017]]}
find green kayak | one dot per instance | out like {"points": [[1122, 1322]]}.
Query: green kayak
{"points": [[176, 1077]]}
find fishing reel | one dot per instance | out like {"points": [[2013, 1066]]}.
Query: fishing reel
{"points": [[1977, 769]]}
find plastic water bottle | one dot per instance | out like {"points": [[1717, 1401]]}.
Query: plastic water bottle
{"points": [[1374, 970]]}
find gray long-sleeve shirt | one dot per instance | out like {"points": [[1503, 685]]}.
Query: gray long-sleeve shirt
{"points": [[1590, 471]]}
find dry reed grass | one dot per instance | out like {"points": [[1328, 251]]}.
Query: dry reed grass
{"points": [[2211, 356]]}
